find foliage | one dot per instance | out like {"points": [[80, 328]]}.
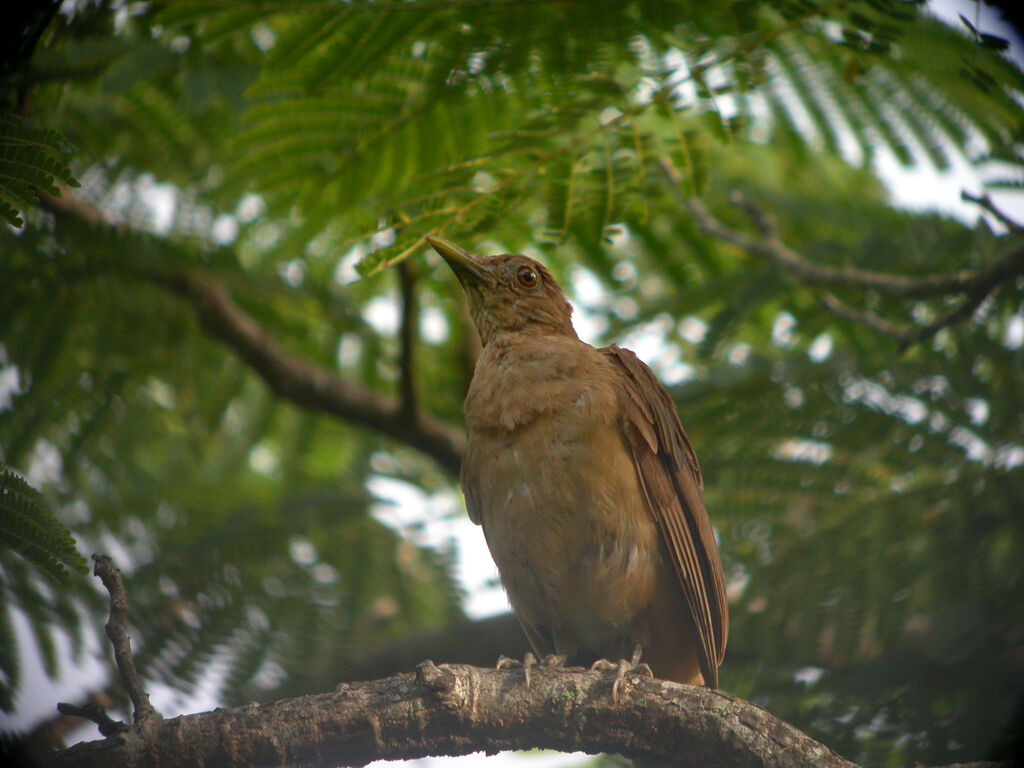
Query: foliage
{"points": [[34, 533], [28, 530], [869, 504], [31, 157]]}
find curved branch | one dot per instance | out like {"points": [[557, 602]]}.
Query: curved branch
{"points": [[986, 202], [306, 385], [772, 250], [903, 336], [973, 285], [117, 633], [457, 709], [287, 375]]}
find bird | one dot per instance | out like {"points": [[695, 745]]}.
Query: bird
{"points": [[586, 486]]}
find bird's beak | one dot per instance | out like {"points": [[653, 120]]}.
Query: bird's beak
{"points": [[464, 264]]}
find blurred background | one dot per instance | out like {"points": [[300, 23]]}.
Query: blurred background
{"points": [[228, 360]]}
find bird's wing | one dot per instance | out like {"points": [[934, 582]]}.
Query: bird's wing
{"points": [[668, 471], [469, 492]]}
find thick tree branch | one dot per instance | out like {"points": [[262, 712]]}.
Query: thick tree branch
{"points": [[456, 710], [287, 375]]}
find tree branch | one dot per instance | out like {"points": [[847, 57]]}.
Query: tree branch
{"points": [[974, 285], [289, 376], [457, 709], [117, 633], [94, 712], [306, 385], [986, 202], [144, 715], [901, 286], [905, 337]]}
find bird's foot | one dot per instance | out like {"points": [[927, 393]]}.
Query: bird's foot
{"points": [[623, 668], [551, 661]]}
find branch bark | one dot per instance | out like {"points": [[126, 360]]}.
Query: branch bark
{"points": [[117, 633], [775, 252], [456, 710]]}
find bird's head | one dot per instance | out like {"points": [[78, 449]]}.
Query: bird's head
{"points": [[508, 293]]}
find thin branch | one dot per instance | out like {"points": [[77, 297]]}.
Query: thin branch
{"points": [[117, 632], [986, 202], [974, 285], [94, 712], [407, 341], [905, 336], [764, 221], [769, 248], [289, 376], [875, 322]]}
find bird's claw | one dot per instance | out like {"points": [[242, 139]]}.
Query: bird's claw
{"points": [[622, 668], [529, 662], [504, 662]]}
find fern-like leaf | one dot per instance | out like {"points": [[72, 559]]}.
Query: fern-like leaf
{"points": [[27, 528], [32, 157]]}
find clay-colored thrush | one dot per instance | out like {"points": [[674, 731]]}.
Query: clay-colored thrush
{"points": [[585, 484]]}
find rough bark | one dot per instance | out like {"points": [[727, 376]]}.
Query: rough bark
{"points": [[458, 709]]}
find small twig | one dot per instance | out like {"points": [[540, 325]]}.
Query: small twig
{"points": [[904, 336], [764, 222], [962, 311], [407, 341], [94, 712], [986, 202], [117, 632], [865, 317]]}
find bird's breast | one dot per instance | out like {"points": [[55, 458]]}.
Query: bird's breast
{"points": [[558, 495]]}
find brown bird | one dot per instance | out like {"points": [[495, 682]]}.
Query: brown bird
{"points": [[585, 484]]}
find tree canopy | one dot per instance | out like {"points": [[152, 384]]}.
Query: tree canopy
{"points": [[219, 322]]}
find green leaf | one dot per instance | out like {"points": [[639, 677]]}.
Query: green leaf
{"points": [[32, 157], [27, 528]]}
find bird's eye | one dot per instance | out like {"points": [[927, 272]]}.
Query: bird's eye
{"points": [[527, 276]]}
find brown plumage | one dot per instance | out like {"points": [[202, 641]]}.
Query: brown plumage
{"points": [[585, 484]]}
